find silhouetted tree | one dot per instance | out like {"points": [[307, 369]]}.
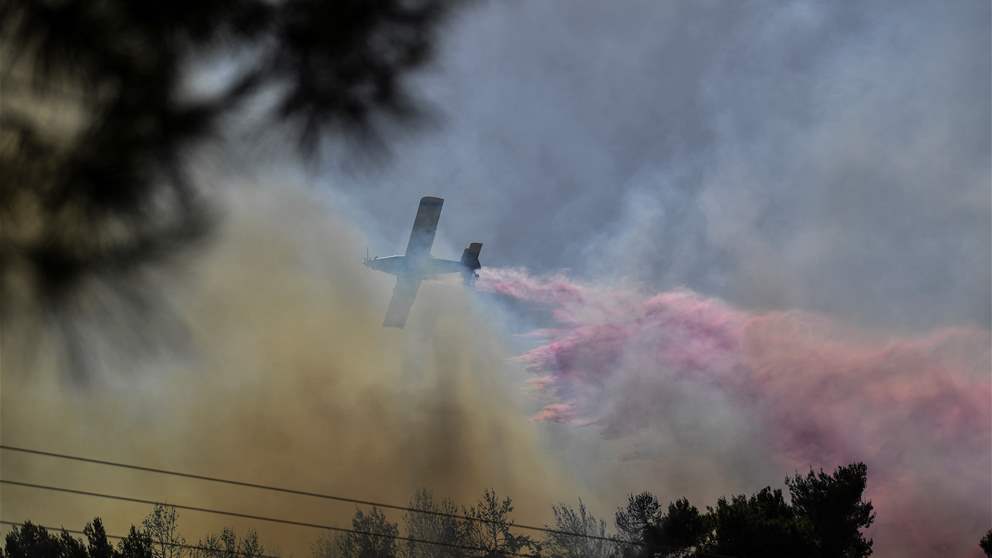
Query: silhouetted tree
{"points": [[760, 525], [228, 545], [32, 541], [161, 527], [431, 526], [137, 544], [633, 520], [581, 522], [986, 543], [158, 536], [823, 518], [833, 507], [677, 531], [374, 537], [490, 528], [96, 537]]}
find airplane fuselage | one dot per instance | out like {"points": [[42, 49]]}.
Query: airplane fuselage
{"points": [[418, 264]]}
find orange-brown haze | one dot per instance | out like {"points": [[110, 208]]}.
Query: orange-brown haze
{"points": [[280, 373]]}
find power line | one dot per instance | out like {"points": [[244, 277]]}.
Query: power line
{"points": [[256, 517], [307, 493], [118, 537]]}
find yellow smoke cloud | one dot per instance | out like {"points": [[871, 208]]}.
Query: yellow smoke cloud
{"points": [[286, 377]]}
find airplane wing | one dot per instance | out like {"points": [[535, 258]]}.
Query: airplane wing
{"points": [[424, 227], [399, 305]]}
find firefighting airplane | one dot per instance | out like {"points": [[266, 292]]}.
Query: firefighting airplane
{"points": [[417, 264]]}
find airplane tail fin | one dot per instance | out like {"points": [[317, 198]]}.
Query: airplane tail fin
{"points": [[470, 259]]}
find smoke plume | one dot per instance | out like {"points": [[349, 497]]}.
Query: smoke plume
{"points": [[282, 374], [685, 374]]}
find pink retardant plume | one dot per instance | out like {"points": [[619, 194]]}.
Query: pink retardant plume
{"points": [[916, 409]]}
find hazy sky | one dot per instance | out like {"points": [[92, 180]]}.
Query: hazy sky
{"points": [[825, 156], [822, 161]]}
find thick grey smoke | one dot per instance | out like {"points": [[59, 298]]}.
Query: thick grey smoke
{"points": [[828, 156]]}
